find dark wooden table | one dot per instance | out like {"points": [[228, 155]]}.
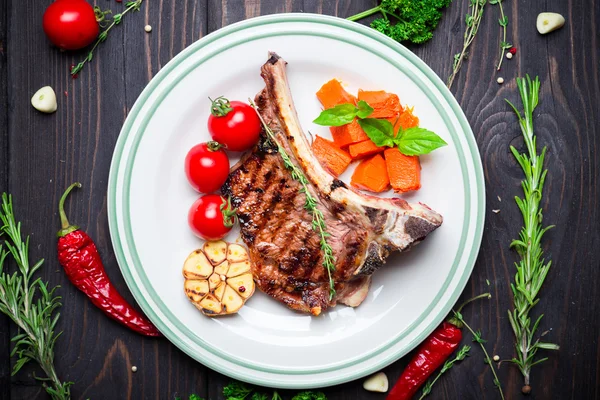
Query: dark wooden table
{"points": [[41, 154]]}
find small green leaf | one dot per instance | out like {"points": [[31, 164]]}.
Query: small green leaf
{"points": [[416, 141], [364, 109], [380, 131], [339, 115]]}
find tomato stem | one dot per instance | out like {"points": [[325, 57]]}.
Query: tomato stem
{"points": [[229, 213], [213, 145], [220, 106], [65, 225]]}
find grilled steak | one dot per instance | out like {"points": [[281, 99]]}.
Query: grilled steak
{"points": [[284, 248]]}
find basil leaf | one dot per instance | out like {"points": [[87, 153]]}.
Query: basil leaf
{"points": [[364, 109], [339, 115], [417, 141], [380, 131]]}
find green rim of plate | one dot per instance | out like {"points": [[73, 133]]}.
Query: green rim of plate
{"points": [[117, 163]]}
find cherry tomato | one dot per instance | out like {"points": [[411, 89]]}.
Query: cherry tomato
{"points": [[206, 167], [234, 124], [70, 24], [211, 217]]}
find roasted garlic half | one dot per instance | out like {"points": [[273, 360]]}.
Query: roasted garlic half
{"points": [[218, 279]]}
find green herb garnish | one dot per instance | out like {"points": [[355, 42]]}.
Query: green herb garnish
{"points": [[461, 355], [116, 20], [411, 142], [318, 221], [503, 22], [479, 340], [30, 304], [472, 21], [239, 391], [406, 20], [343, 114], [532, 268]]}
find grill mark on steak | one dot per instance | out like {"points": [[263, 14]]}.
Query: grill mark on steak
{"points": [[285, 251]]}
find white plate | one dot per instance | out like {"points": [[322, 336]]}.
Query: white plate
{"points": [[266, 343]]}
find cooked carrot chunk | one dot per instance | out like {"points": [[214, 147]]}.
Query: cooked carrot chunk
{"points": [[347, 134], [404, 171], [331, 157], [363, 149], [385, 105], [332, 93], [371, 174]]}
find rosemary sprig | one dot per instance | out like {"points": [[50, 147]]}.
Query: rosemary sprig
{"points": [[30, 304], [472, 20], [503, 21], [532, 267], [461, 355], [116, 20], [318, 221], [479, 340]]}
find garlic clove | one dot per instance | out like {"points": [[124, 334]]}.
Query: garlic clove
{"points": [[44, 100], [548, 22], [377, 383]]}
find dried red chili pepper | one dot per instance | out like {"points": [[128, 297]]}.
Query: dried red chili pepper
{"points": [[79, 257], [431, 355]]}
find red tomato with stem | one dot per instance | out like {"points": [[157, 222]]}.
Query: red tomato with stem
{"points": [[211, 217], [234, 124], [70, 24], [207, 167]]}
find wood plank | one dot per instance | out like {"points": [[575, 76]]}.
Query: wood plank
{"points": [[4, 320]]}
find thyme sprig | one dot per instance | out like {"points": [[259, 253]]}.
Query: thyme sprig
{"points": [[318, 220], [532, 268], [30, 304], [472, 21], [477, 338], [503, 21], [461, 355], [116, 20]]}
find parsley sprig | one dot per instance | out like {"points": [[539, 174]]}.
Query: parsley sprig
{"points": [[318, 220], [116, 20], [30, 304], [532, 268], [413, 21]]}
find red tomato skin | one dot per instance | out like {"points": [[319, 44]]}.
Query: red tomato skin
{"points": [[239, 130], [206, 170], [206, 219], [70, 24]]}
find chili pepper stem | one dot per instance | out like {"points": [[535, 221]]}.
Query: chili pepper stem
{"points": [[64, 222]]}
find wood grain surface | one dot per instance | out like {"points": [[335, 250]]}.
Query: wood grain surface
{"points": [[41, 154]]}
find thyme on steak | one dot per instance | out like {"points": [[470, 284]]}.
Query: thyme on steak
{"points": [[532, 268], [318, 221]]}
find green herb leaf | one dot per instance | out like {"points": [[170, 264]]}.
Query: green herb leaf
{"points": [[364, 109], [380, 131], [339, 115], [416, 141]]}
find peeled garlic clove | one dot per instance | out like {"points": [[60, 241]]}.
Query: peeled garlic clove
{"points": [[377, 383], [548, 22], [44, 100]]}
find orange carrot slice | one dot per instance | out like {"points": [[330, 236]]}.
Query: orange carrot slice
{"points": [[331, 157], [347, 134], [385, 105], [404, 171], [332, 93], [363, 149], [371, 174]]}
